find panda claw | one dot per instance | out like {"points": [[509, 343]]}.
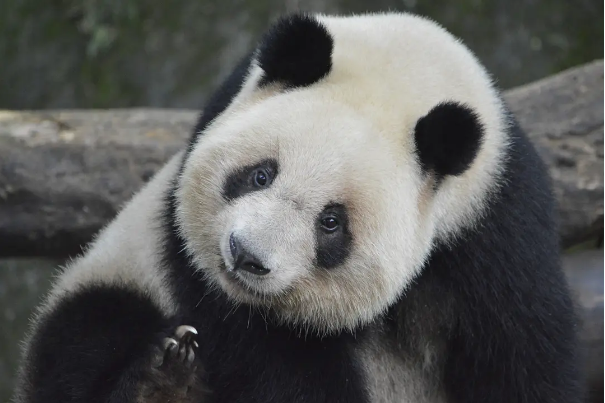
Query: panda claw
{"points": [[180, 348], [172, 348], [185, 330], [169, 343]]}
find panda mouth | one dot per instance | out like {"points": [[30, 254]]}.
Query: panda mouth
{"points": [[234, 278], [240, 281]]}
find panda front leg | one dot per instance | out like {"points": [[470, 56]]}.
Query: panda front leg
{"points": [[103, 343]]}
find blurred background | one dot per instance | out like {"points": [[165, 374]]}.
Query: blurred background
{"points": [[123, 53], [129, 53]]}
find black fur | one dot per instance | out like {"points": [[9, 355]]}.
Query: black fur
{"points": [[448, 139], [96, 346], [250, 358], [497, 300], [333, 248], [295, 52]]}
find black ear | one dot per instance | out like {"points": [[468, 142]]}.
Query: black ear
{"points": [[295, 52], [448, 138]]}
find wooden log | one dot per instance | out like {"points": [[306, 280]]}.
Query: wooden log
{"points": [[64, 174], [563, 116], [585, 273]]}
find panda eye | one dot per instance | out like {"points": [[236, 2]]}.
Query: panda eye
{"points": [[250, 178], [261, 178], [329, 223]]}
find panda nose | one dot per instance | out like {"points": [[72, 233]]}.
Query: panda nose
{"points": [[244, 260]]}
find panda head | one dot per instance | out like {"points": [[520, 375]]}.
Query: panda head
{"points": [[354, 144]]}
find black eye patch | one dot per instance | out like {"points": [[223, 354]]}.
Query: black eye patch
{"points": [[333, 238], [249, 179]]}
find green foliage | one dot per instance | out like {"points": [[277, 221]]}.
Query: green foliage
{"points": [[120, 53], [101, 20]]}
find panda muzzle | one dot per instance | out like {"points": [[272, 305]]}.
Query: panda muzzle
{"points": [[244, 260]]}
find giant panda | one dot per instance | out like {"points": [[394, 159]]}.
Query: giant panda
{"points": [[357, 218]]}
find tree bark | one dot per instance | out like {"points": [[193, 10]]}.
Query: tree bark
{"points": [[563, 116], [585, 273], [64, 174]]}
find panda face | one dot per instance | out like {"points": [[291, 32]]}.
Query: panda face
{"points": [[317, 219], [349, 150], [331, 232]]}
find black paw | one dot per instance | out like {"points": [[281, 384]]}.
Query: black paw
{"points": [[173, 375], [178, 350]]}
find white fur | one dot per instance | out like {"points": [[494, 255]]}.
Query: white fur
{"points": [[408, 64], [127, 253], [348, 139]]}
